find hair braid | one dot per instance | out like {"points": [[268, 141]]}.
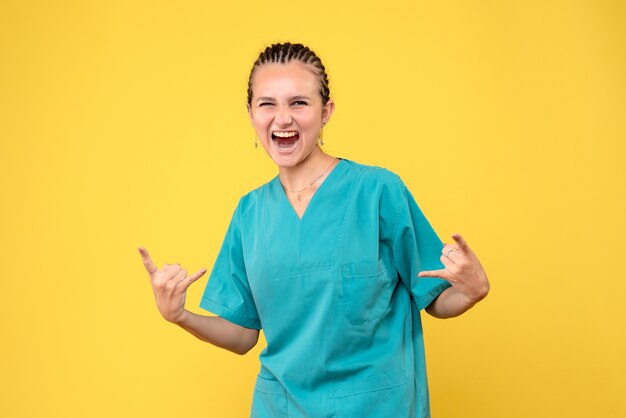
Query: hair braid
{"points": [[283, 53]]}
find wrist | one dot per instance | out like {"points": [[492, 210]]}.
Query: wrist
{"points": [[181, 318], [478, 294]]}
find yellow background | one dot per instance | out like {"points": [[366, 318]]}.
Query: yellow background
{"points": [[123, 124]]}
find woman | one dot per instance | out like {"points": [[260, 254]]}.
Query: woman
{"points": [[333, 259]]}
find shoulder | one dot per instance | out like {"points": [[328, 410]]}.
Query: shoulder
{"points": [[252, 200], [378, 179], [381, 193]]}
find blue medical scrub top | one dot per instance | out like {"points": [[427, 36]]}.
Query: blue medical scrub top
{"points": [[336, 294]]}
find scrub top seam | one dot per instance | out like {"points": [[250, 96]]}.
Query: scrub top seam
{"points": [[245, 268], [397, 217], [302, 270], [265, 230], [334, 255]]}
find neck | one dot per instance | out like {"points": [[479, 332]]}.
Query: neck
{"points": [[300, 175]]}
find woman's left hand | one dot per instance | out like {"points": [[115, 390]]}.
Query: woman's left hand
{"points": [[462, 270]]}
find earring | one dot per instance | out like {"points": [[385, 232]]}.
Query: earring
{"points": [[322, 135], [256, 145]]}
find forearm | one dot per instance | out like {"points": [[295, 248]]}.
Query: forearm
{"points": [[451, 303], [219, 332]]}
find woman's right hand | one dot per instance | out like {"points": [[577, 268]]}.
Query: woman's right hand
{"points": [[169, 285]]}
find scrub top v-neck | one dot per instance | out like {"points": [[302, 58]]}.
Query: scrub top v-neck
{"points": [[336, 293], [286, 199]]}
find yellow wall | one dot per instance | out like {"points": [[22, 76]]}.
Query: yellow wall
{"points": [[123, 124]]}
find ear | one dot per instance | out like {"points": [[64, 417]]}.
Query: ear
{"points": [[250, 113], [327, 111]]}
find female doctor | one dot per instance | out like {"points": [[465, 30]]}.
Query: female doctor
{"points": [[332, 259]]}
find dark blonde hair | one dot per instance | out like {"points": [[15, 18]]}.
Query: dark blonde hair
{"points": [[286, 52]]}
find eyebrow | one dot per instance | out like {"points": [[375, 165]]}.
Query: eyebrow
{"points": [[271, 99]]}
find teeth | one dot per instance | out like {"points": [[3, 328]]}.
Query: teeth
{"points": [[285, 134]]}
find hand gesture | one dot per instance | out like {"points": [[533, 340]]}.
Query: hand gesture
{"points": [[169, 286], [462, 270]]}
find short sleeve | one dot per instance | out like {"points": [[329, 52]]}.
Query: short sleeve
{"points": [[416, 247], [227, 293]]}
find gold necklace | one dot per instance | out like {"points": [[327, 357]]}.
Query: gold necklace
{"points": [[299, 192]]}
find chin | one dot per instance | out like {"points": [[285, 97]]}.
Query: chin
{"points": [[291, 159], [286, 161]]}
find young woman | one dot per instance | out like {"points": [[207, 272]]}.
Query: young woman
{"points": [[331, 258]]}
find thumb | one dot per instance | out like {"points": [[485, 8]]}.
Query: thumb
{"points": [[186, 282], [440, 274]]}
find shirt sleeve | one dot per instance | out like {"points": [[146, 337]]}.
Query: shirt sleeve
{"points": [[416, 247], [227, 293]]}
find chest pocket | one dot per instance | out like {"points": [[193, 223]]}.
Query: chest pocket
{"points": [[366, 291]]}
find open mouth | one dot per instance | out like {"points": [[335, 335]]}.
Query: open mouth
{"points": [[285, 141]]}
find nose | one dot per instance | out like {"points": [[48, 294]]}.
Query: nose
{"points": [[283, 117]]}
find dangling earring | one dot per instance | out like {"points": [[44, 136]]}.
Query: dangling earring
{"points": [[256, 145], [322, 134]]}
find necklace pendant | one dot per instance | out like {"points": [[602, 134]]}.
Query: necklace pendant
{"points": [[299, 197]]}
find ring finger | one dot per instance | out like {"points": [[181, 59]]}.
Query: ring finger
{"points": [[449, 252], [180, 276]]}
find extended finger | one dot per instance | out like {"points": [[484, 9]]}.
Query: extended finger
{"points": [[461, 242], [440, 274], [147, 261], [184, 284]]}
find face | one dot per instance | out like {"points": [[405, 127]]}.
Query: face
{"points": [[287, 112]]}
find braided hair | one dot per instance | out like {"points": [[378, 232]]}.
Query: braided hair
{"points": [[284, 53]]}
